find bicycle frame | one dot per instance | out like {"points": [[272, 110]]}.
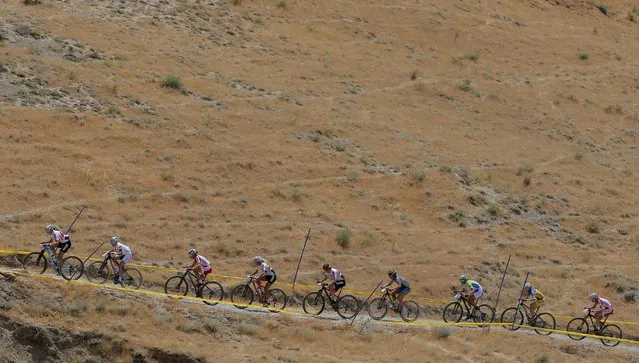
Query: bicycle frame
{"points": [[50, 254], [327, 293], [464, 301]]}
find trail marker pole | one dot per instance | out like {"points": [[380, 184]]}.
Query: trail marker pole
{"points": [[501, 285], [300, 260], [365, 301], [521, 294], [76, 218]]}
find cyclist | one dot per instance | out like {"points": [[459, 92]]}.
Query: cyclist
{"points": [[267, 273], [337, 280], [58, 240], [121, 254], [476, 290], [400, 291], [200, 266], [534, 295], [605, 309]]}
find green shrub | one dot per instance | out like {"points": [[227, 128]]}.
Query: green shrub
{"points": [[32, 2], [443, 332], [344, 237], [466, 85], [368, 238], [173, 82], [592, 228], [584, 56]]}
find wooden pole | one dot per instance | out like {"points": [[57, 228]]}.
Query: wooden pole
{"points": [[300, 260]]}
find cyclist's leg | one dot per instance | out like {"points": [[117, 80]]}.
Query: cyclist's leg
{"points": [[598, 315], [269, 281], [534, 306], [338, 286], [64, 247], [197, 270], [400, 297], [122, 264], [331, 290]]}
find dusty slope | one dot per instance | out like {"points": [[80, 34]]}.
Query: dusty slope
{"points": [[445, 136]]}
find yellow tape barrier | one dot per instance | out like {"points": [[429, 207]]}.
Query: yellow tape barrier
{"points": [[356, 292], [418, 323]]}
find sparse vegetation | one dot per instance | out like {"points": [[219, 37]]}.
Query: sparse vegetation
{"points": [[579, 156], [344, 237], [367, 239], [614, 109], [543, 358], [32, 2], [419, 176], [592, 227], [443, 332], [189, 326], [466, 86], [173, 82], [494, 210], [527, 181], [603, 9], [476, 198], [584, 56], [446, 169], [525, 167], [282, 4], [414, 75], [78, 307], [247, 329]]}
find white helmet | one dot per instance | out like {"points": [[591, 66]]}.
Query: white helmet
{"points": [[257, 260], [114, 241], [527, 285], [48, 229], [192, 252], [463, 279], [593, 297]]}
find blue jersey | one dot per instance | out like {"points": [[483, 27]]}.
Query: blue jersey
{"points": [[474, 285], [402, 281]]}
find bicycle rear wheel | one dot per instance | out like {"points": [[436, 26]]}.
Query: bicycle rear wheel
{"points": [[544, 321], [313, 303], [277, 300], [347, 306], [410, 312], [242, 294], [483, 314], [133, 279], [453, 312], [72, 268], [577, 325], [513, 317], [612, 331], [378, 308], [97, 273], [212, 292], [35, 263], [176, 285]]}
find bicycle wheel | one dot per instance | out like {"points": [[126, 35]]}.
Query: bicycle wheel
{"points": [[378, 308], [577, 325], [277, 300], [176, 285], [513, 317], [96, 273], [242, 294], [544, 321], [410, 312], [453, 312], [483, 314], [347, 306], [313, 303], [212, 292], [612, 331], [72, 268], [133, 279], [35, 263]]}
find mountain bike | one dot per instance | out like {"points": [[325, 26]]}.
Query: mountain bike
{"points": [[245, 293], [515, 316], [378, 307], [37, 262], [580, 325], [314, 302], [454, 311], [98, 272], [179, 285]]}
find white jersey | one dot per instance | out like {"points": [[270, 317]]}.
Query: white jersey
{"points": [[123, 250], [203, 262], [58, 236], [605, 303], [266, 269], [335, 275]]}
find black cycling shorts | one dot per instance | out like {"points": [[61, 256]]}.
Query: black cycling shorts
{"points": [[339, 284], [64, 247], [270, 278]]}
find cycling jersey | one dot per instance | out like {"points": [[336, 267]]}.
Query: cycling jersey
{"points": [[266, 269], [401, 281], [473, 285], [203, 262], [536, 293], [605, 303], [59, 236], [123, 249], [335, 275]]}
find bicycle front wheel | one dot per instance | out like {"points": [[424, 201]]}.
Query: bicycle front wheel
{"points": [[72, 268], [313, 303], [133, 279], [347, 306], [611, 331], [176, 285], [410, 312], [35, 263], [483, 314], [277, 300], [453, 312], [378, 308], [546, 322], [513, 317], [212, 292], [242, 294], [577, 325]]}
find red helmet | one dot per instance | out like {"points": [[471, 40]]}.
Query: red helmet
{"points": [[326, 267]]}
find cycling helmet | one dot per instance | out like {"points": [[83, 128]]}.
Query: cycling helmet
{"points": [[257, 260], [463, 279], [48, 229], [593, 297], [114, 241], [192, 252], [527, 286], [326, 267], [392, 272]]}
